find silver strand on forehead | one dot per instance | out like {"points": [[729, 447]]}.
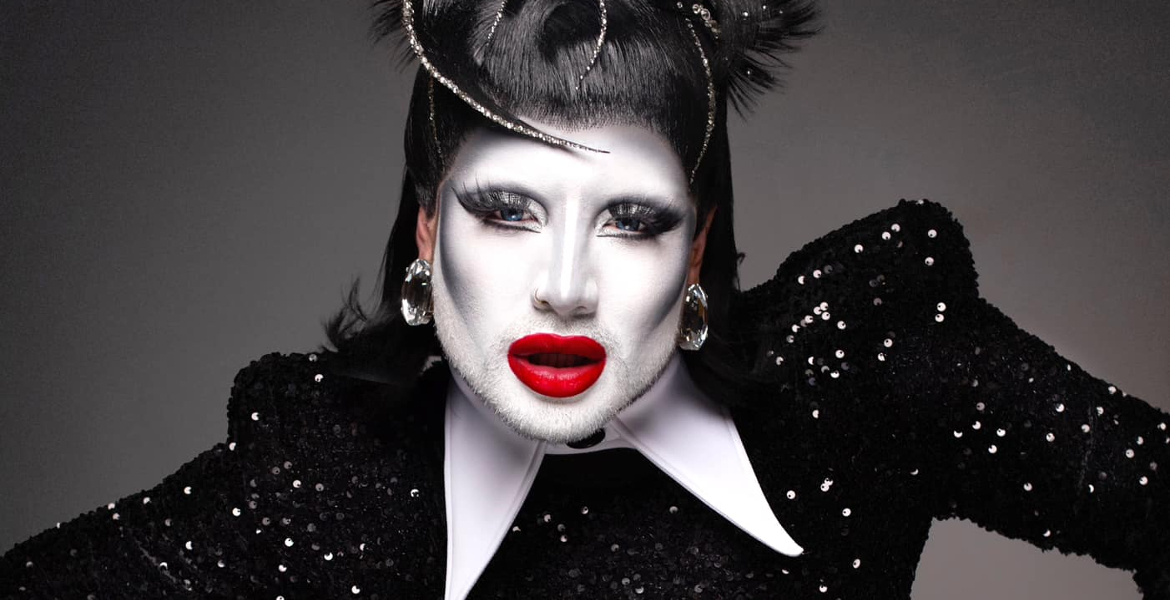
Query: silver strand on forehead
{"points": [[711, 105], [600, 42], [516, 126]]}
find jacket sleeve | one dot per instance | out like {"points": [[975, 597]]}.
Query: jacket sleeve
{"points": [[156, 543], [1023, 442], [187, 537]]}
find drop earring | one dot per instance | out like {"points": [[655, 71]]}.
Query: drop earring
{"points": [[416, 293], [693, 329]]}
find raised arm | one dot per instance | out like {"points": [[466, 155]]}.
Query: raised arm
{"points": [[1027, 444]]}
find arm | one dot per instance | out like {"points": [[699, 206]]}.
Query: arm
{"points": [[187, 537], [163, 542], [1027, 444]]}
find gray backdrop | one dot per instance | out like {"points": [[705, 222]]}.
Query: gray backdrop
{"points": [[185, 186]]}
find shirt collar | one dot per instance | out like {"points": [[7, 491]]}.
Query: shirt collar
{"points": [[488, 468]]}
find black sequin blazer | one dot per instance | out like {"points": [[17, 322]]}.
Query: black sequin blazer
{"points": [[900, 396]]}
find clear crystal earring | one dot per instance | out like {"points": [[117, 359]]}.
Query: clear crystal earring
{"points": [[416, 293], [693, 329]]}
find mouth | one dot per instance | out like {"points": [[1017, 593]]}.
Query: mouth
{"points": [[556, 366]]}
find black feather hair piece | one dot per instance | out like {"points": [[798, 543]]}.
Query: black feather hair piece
{"points": [[755, 37]]}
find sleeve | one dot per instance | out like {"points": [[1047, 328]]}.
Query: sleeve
{"points": [[1025, 443], [187, 537], [163, 542]]}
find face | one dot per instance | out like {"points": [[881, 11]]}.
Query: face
{"points": [[559, 274]]}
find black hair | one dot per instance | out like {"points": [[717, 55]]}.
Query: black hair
{"points": [[528, 59]]}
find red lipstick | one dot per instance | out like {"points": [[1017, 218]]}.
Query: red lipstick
{"points": [[556, 366]]}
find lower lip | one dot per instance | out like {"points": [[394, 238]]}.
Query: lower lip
{"points": [[556, 382]]}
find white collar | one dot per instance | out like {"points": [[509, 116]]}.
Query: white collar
{"points": [[488, 468]]}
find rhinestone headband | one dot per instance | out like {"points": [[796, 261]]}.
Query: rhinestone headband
{"points": [[509, 124], [712, 104]]}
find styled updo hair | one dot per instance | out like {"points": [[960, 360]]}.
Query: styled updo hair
{"points": [[539, 60]]}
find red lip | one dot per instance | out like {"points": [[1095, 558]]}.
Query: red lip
{"points": [[556, 366]]}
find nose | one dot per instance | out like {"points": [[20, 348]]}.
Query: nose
{"points": [[567, 285]]}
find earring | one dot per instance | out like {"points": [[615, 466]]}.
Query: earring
{"points": [[416, 293], [693, 329]]}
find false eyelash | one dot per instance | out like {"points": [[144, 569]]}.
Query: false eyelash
{"points": [[658, 219], [483, 202]]}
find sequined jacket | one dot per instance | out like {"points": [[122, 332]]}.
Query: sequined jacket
{"points": [[899, 396]]}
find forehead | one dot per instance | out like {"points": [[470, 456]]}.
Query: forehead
{"points": [[636, 161]]}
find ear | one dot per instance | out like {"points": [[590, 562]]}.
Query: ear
{"points": [[698, 247], [426, 232]]}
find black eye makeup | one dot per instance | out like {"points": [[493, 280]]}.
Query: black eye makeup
{"points": [[498, 208], [634, 218], [641, 219]]}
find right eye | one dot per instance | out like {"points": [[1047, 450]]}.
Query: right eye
{"points": [[510, 215]]}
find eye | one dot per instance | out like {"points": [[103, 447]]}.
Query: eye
{"points": [[630, 224], [510, 215], [643, 219], [500, 208]]}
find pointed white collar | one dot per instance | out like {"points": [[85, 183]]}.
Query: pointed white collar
{"points": [[488, 468]]}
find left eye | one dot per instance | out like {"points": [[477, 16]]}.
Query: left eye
{"points": [[630, 224]]}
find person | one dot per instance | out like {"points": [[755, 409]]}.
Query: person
{"points": [[612, 418]]}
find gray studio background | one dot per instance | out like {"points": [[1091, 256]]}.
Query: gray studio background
{"points": [[185, 186]]}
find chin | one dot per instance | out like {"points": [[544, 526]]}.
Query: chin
{"points": [[559, 420], [556, 420]]}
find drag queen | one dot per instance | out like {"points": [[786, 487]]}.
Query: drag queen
{"points": [[563, 393]]}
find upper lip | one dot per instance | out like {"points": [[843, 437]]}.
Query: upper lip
{"points": [[553, 350]]}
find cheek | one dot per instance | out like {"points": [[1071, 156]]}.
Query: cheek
{"points": [[485, 273], [641, 284]]}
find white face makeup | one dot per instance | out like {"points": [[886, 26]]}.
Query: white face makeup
{"points": [[534, 239]]}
